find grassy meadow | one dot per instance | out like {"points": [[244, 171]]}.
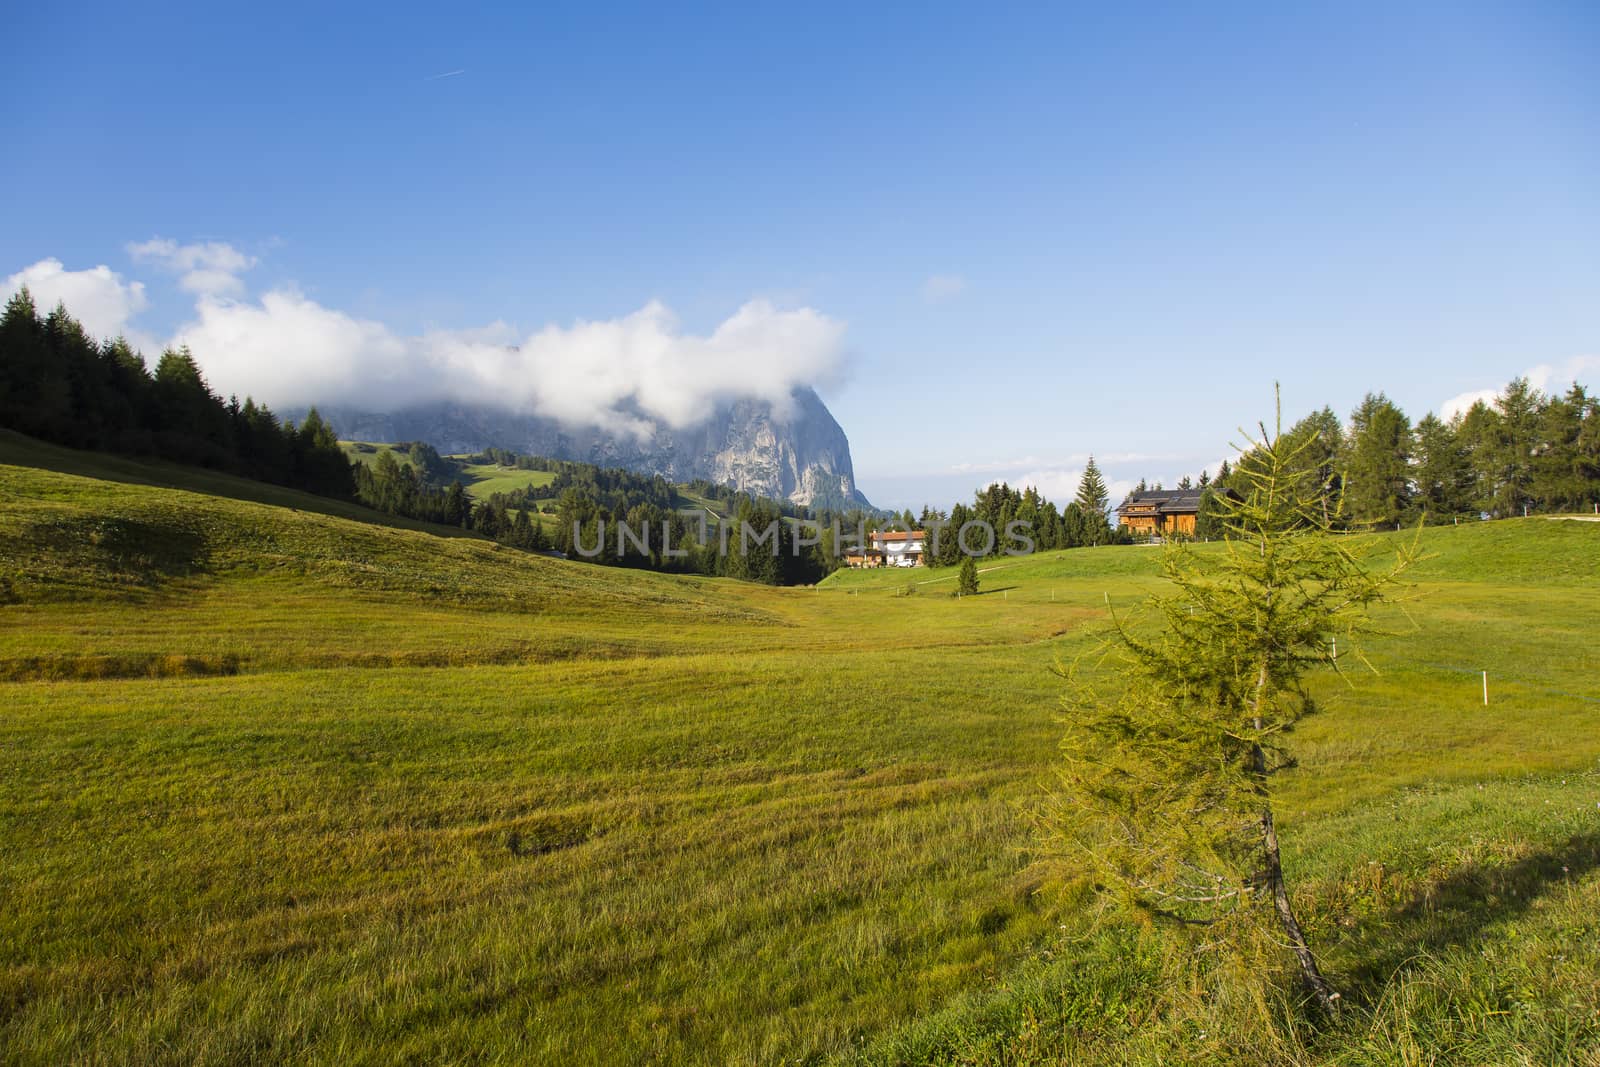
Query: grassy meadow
{"points": [[281, 785], [483, 480]]}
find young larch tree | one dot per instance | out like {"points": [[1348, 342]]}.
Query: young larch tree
{"points": [[1165, 802]]}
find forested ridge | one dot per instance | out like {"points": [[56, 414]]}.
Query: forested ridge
{"points": [[1522, 453], [59, 384]]}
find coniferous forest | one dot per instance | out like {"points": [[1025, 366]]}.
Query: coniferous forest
{"points": [[61, 385], [1522, 453]]}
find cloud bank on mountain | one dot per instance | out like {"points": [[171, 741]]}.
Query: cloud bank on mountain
{"points": [[623, 375]]}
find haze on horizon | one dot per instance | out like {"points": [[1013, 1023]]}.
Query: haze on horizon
{"points": [[994, 246]]}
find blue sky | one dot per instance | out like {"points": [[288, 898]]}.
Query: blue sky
{"points": [[1022, 234]]}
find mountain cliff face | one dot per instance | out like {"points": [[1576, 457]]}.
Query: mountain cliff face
{"points": [[804, 458]]}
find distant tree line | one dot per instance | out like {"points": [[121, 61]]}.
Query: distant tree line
{"points": [[1081, 523], [589, 498], [59, 384], [756, 542], [412, 488], [1521, 453]]}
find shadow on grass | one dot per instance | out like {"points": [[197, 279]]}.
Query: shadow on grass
{"points": [[147, 552], [997, 589], [1462, 907]]}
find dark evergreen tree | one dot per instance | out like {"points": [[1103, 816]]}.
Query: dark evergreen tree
{"points": [[967, 578], [457, 509], [1092, 494], [1377, 462], [1209, 522], [1563, 476], [1094, 501], [1520, 407], [1322, 437], [1440, 471], [1477, 432]]}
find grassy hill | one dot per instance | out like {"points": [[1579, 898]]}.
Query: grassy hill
{"points": [[279, 782]]}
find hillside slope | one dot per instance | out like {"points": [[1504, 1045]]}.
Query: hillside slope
{"points": [[566, 813]]}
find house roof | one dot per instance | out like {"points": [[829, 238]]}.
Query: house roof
{"points": [[898, 535], [1163, 501]]}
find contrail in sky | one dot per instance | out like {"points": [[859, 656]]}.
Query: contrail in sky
{"points": [[446, 74]]}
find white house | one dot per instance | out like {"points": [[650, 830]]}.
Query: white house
{"points": [[899, 548]]}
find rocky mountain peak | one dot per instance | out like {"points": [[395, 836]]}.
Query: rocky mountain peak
{"points": [[802, 456]]}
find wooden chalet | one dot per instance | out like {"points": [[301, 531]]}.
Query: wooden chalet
{"points": [[1160, 512]]}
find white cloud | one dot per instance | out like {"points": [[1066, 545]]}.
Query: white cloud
{"points": [[940, 288], [1552, 379], [211, 268], [1076, 461], [98, 297], [1462, 402], [1548, 378], [620, 374], [999, 466], [288, 350], [1058, 485]]}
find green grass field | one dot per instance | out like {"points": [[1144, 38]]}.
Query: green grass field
{"points": [[278, 785], [483, 480]]}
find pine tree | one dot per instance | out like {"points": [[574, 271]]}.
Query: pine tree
{"points": [[1440, 470], [1323, 439], [967, 578], [1520, 408], [1208, 522], [1166, 798], [1092, 495], [522, 530], [1477, 432], [1561, 481], [1095, 501], [1377, 462], [536, 537], [457, 509]]}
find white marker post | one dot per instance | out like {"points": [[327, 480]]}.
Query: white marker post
{"points": [[1485, 688]]}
